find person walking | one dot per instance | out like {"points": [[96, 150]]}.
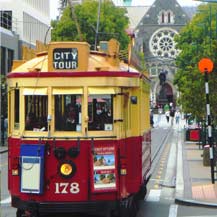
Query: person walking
{"points": [[160, 111], [151, 118], [172, 114], [166, 108], [167, 114], [177, 116]]}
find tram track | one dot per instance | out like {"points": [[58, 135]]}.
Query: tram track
{"points": [[161, 146]]}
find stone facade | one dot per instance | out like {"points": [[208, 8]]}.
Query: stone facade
{"points": [[155, 38]]}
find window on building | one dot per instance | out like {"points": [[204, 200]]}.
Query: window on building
{"points": [[153, 70], [166, 17], [169, 17], [6, 19], [100, 112], [3, 60], [68, 112], [162, 18], [10, 59]]}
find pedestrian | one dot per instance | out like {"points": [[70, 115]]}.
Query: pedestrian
{"points": [[151, 118], [167, 114], [172, 114], [177, 116], [166, 107], [160, 111]]}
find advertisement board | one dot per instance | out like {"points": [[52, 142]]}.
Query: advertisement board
{"points": [[104, 168]]}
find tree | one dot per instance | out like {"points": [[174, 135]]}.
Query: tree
{"points": [[113, 23], [195, 42]]}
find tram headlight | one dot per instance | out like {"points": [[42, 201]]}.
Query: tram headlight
{"points": [[67, 169]]}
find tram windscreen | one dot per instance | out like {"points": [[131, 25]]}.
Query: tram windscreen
{"points": [[68, 112], [36, 111], [100, 112]]}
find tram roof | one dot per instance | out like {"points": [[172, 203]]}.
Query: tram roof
{"points": [[75, 57], [96, 62]]}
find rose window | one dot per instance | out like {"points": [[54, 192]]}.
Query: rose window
{"points": [[162, 43]]}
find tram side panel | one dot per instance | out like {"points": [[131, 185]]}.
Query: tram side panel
{"points": [[146, 129], [135, 150], [82, 186]]}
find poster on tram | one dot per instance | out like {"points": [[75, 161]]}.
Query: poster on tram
{"points": [[104, 170]]}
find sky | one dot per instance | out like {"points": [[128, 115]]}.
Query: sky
{"points": [[54, 4]]}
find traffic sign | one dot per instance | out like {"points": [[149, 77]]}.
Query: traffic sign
{"points": [[205, 65]]}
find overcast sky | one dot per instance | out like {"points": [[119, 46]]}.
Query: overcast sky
{"points": [[54, 4]]}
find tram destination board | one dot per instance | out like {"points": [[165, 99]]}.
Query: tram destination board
{"points": [[65, 58]]}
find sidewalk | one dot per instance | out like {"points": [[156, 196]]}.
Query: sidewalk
{"points": [[193, 180], [3, 149], [197, 186]]}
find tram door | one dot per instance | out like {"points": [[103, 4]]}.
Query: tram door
{"points": [[125, 113]]}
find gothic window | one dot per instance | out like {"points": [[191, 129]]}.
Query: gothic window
{"points": [[162, 43], [153, 70], [166, 17], [162, 18], [169, 17]]}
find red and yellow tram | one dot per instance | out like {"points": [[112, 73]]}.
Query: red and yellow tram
{"points": [[79, 132]]}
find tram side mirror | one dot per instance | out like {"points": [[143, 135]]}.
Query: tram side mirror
{"points": [[133, 99]]}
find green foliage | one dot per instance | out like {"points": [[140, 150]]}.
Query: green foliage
{"points": [[198, 39], [113, 23]]}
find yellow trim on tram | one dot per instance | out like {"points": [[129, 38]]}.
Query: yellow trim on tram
{"points": [[65, 91], [34, 91], [96, 90]]}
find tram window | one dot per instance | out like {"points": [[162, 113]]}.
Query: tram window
{"points": [[17, 109], [68, 112], [36, 107], [100, 112]]}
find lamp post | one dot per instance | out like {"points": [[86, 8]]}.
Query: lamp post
{"points": [[45, 37], [205, 66], [97, 25]]}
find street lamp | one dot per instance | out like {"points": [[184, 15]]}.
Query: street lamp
{"points": [[45, 37]]}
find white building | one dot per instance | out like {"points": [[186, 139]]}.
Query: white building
{"points": [[22, 22]]}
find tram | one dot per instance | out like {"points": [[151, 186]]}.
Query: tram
{"points": [[78, 132]]}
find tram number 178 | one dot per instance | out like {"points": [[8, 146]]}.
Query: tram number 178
{"points": [[66, 188]]}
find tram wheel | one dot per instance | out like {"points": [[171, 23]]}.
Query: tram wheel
{"points": [[114, 213], [20, 213], [128, 208], [142, 193]]}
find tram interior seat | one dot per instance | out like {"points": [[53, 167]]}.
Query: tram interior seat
{"points": [[36, 123]]}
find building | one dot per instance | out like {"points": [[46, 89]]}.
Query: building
{"points": [[22, 22], [154, 37]]}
